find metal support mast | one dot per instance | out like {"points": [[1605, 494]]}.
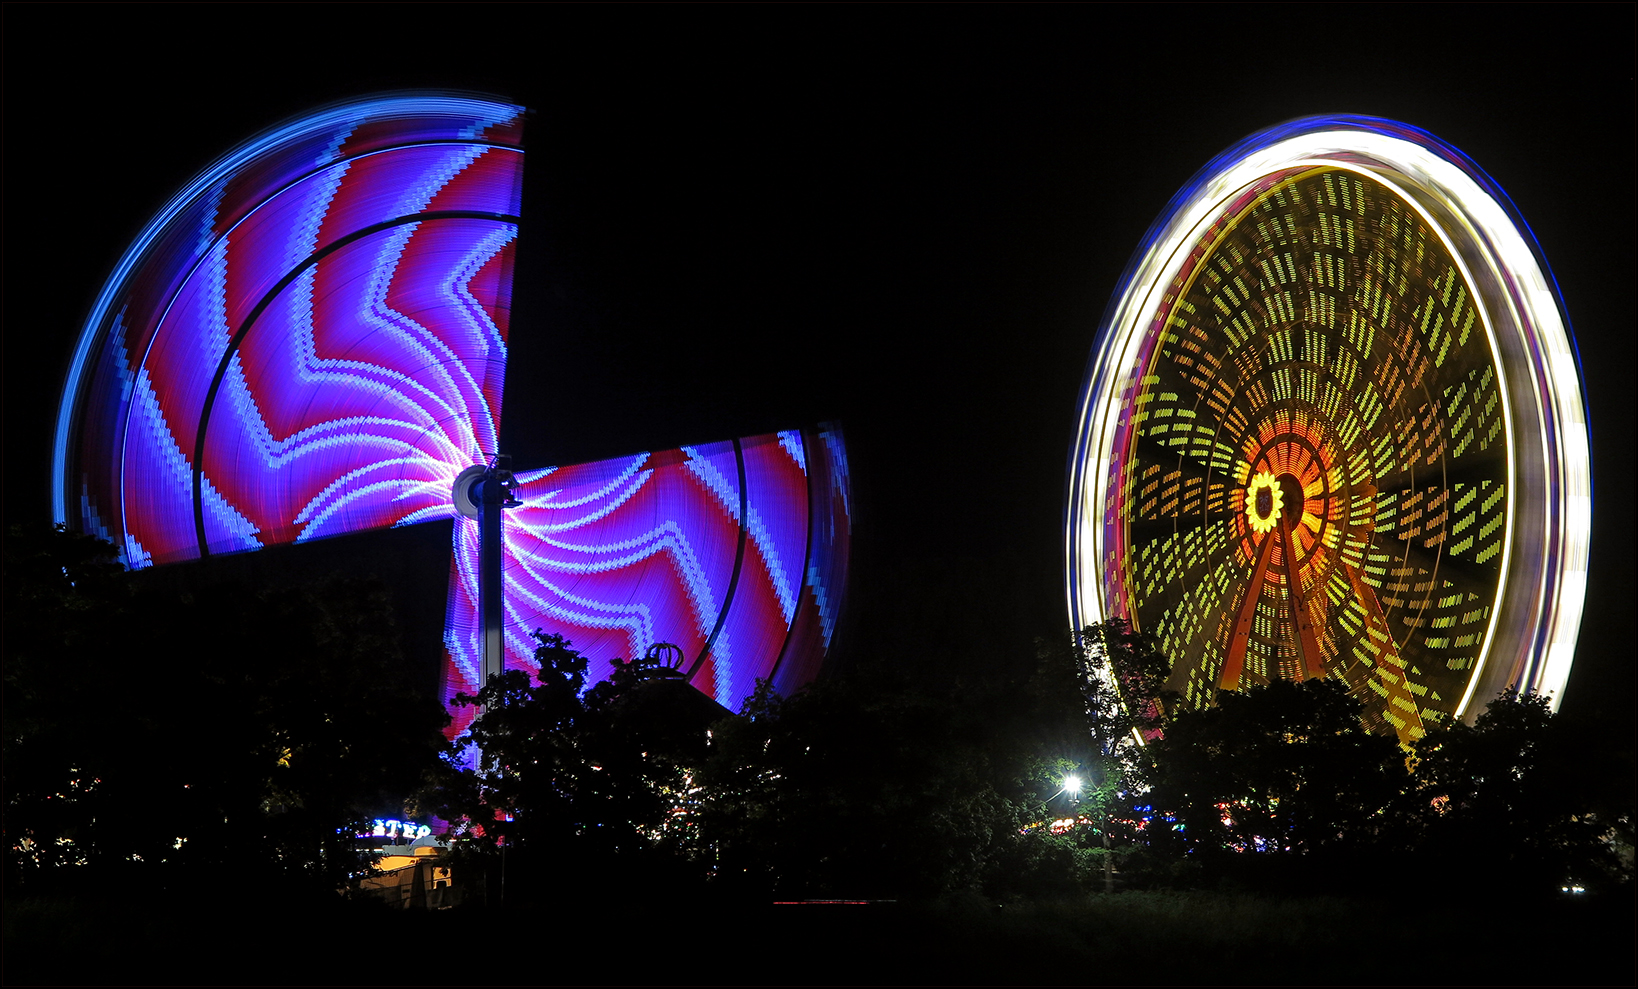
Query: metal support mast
{"points": [[484, 492]]}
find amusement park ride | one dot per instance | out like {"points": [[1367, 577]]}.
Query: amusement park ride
{"points": [[310, 340], [1334, 426]]}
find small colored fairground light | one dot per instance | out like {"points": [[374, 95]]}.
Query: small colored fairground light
{"points": [[1574, 888]]}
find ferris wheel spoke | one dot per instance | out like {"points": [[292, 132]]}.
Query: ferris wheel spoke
{"points": [[1377, 665], [1245, 615], [1183, 457], [1301, 618], [1169, 555], [1148, 532], [1204, 601], [1175, 486]]}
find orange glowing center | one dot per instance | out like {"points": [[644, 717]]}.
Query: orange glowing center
{"points": [[1263, 502]]}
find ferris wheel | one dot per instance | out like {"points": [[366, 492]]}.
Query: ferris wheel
{"points": [[1334, 427]]}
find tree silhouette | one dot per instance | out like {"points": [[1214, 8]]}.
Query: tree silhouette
{"points": [[1283, 769], [1511, 802], [861, 786], [1122, 678], [255, 731], [553, 776]]}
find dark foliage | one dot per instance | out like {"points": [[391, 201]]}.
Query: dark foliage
{"points": [[224, 736], [1514, 803], [852, 789], [1122, 678], [1277, 784], [1279, 788], [917, 778], [875, 784], [235, 736], [1123, 681], [890, 783], [555, 785]]}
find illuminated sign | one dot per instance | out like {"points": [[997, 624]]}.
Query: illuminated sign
{"points": [[399, 831]]}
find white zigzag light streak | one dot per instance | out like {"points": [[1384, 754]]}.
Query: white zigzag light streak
{"points": [[311, 370], [316, 371], [180, 472]]}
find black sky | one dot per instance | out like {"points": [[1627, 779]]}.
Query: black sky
{"points": [[907, 219]]}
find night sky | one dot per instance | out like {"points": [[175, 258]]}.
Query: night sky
{"points": [[909, 220]]}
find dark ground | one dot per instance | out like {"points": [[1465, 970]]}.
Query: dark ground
{"points": [[1149, 938]]}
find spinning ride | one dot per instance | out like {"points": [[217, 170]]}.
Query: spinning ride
{"points": [[1334, 427], [310, 340]]}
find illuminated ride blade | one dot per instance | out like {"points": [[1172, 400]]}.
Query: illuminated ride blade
{"points": [[734, 552], [309, 340]]}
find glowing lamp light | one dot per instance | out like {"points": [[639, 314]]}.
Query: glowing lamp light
{"points": [[1072, 785]]}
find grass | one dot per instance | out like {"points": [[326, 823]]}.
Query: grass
{"points": [[1148, 938]]}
